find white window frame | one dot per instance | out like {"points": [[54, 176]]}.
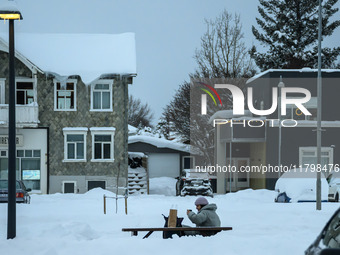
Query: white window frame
{"points": [[74, 81], [74, 131], [63, 186], [103, 131], [31, 80], [2, 91], [329, 150], [105, 82]]}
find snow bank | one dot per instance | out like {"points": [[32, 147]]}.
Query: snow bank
{"points": [[63, 224], [163, 186]]}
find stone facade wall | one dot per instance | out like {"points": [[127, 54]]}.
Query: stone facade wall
{"points": [[82, 117]]}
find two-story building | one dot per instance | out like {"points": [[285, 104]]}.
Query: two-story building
{"points": [[71, 110], [260, 142]]}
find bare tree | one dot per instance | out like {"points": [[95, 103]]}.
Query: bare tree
{"points": [[139, 115], [223, 53], [222, 58], [176, 115]]}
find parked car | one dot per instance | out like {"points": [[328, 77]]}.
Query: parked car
{"points": [[298, 185], [193, 183], [328, 242], [334, 188], [22, 195]]}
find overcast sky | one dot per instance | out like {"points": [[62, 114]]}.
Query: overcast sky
{"points": [[167, 33]]}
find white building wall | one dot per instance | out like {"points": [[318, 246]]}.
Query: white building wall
{"points": [[33, 139]]}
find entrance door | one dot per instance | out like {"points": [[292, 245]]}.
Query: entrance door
{"points": [[237, 179]]}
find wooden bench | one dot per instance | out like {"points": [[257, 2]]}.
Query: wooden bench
{"points": [[134, 231]]}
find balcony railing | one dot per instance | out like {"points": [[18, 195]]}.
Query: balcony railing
{"points": [[26, 115]]}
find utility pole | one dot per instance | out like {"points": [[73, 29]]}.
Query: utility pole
{"points": [[318, 135]]}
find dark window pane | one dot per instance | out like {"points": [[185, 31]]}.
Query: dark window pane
{"points": [[97, 100], [102, 138], [68, 187], [98, 86], [20, 97], [95, 184], [188, 163], [36, 153], [75, 138], [32, 184], [28, 154], [106, 100], [30, 164], [20, 153], [107, 151], [24, 85], [69, 86], [80, 151], [97, 151], [70, 151]]}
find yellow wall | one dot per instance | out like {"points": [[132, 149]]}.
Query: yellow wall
{"points": [[257, 157]]}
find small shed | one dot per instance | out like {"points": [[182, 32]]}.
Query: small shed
{"points": [[165, 158]]}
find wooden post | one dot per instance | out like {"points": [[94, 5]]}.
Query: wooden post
{"points": [[172, 218], [104, 204]]}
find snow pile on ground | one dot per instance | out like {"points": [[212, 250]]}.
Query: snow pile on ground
{"points": [[75, 224], [162, 186], [300, 185]]}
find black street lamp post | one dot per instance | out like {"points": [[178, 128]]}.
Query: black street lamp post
{"points": [[11, 13]]}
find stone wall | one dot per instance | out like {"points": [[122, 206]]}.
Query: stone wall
{"points": [[82, 117]]}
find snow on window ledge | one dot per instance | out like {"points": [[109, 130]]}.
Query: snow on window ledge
{"points": [[101, 110], [73, 160], [102, 160]]}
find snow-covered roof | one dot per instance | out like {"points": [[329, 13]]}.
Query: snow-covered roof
{"points": [[303, 70], [159, 142], [87, 55], [132, 130]]}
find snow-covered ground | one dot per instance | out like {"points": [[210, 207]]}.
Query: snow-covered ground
{"points": [[75, 224]]}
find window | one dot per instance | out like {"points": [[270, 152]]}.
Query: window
{"points": [[29, 165], [69, 187], [295, 113], [188, 162], [74, 144], [25, 92], [2, 91], [101, 96], [308, 157], [96, 184], [102, 144], [65, 96]]}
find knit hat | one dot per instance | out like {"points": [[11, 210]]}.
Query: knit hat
{"points": [[201, 201]]}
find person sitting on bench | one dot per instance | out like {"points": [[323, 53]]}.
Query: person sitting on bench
{"points": [[205, 217]]}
